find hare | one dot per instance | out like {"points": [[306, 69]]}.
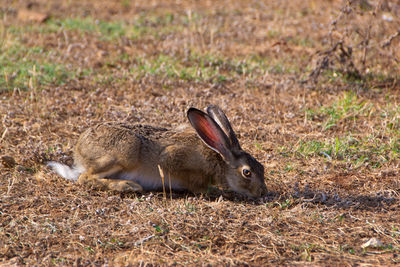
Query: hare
{"points": [[128, 157]]}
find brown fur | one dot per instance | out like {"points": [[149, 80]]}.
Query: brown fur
{"points": [[181, 155]]}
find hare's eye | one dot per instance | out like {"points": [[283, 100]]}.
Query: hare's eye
{"points": [[246, 173]]}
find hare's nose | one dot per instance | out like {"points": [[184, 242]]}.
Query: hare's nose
{"points": [[262, 191]]}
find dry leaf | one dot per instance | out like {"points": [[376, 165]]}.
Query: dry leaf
{"points": [[8, 162], [373, 242], [28, 15]]}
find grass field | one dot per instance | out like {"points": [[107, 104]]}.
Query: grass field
{"points": [[312, 88]]}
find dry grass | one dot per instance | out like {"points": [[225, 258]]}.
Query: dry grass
{"points": [[330, 145]]}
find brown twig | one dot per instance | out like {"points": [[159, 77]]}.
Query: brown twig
{"points": [[389, 40]]}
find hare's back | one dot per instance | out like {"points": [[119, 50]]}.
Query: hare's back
{"points": [[120, 141]]}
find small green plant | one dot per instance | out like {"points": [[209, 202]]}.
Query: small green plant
{"points": [[285, 205], [395, 231], [190, 207], [288, 168], [157, 228], [114, 243], [58, 261], [89, 249]]}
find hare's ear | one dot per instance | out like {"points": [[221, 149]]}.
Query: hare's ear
{"points": [[210, 132], [219, 116]]}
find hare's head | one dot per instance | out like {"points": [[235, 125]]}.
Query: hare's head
{"points": [[243, 173]]}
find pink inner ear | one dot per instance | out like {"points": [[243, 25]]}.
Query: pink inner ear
{"points": [[208, 130]]}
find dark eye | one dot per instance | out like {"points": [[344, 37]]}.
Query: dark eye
{"points": [[246, 173]]}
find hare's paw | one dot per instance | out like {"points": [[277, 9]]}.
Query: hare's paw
{"points": [[92, 180], [87, 178], [124, 186]]}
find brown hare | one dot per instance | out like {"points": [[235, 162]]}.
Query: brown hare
{"points": [[127, 157]]}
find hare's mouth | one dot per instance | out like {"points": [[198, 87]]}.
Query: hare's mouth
{"points": [[253, 195], [244, 192]]}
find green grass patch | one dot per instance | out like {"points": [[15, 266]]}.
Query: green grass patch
{"points": [[170, 67], [347, 77], [299, 41], [193, 68], [140, 26], [348, 108], [199, 67], [106, 30], [374, 78], [390, 116], [364, 151], [273, 65], [380, 146], [28, 67]]}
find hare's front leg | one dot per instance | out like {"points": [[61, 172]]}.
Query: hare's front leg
{"points": [[186, 166]]}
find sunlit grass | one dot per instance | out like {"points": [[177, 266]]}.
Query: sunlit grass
{"points": [[347, 108], [22, 67], [142, 25], [367, 150]]}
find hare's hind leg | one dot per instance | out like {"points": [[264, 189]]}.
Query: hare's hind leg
{"points": [[97, 177], [97, 181]]}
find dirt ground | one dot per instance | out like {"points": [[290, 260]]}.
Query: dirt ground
{"points": [[322, 118]]}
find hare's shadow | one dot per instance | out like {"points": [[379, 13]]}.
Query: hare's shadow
{"points": [[212, 195], [333, 200]]}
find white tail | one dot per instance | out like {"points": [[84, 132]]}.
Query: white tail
{"points": [[65, 171]]}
